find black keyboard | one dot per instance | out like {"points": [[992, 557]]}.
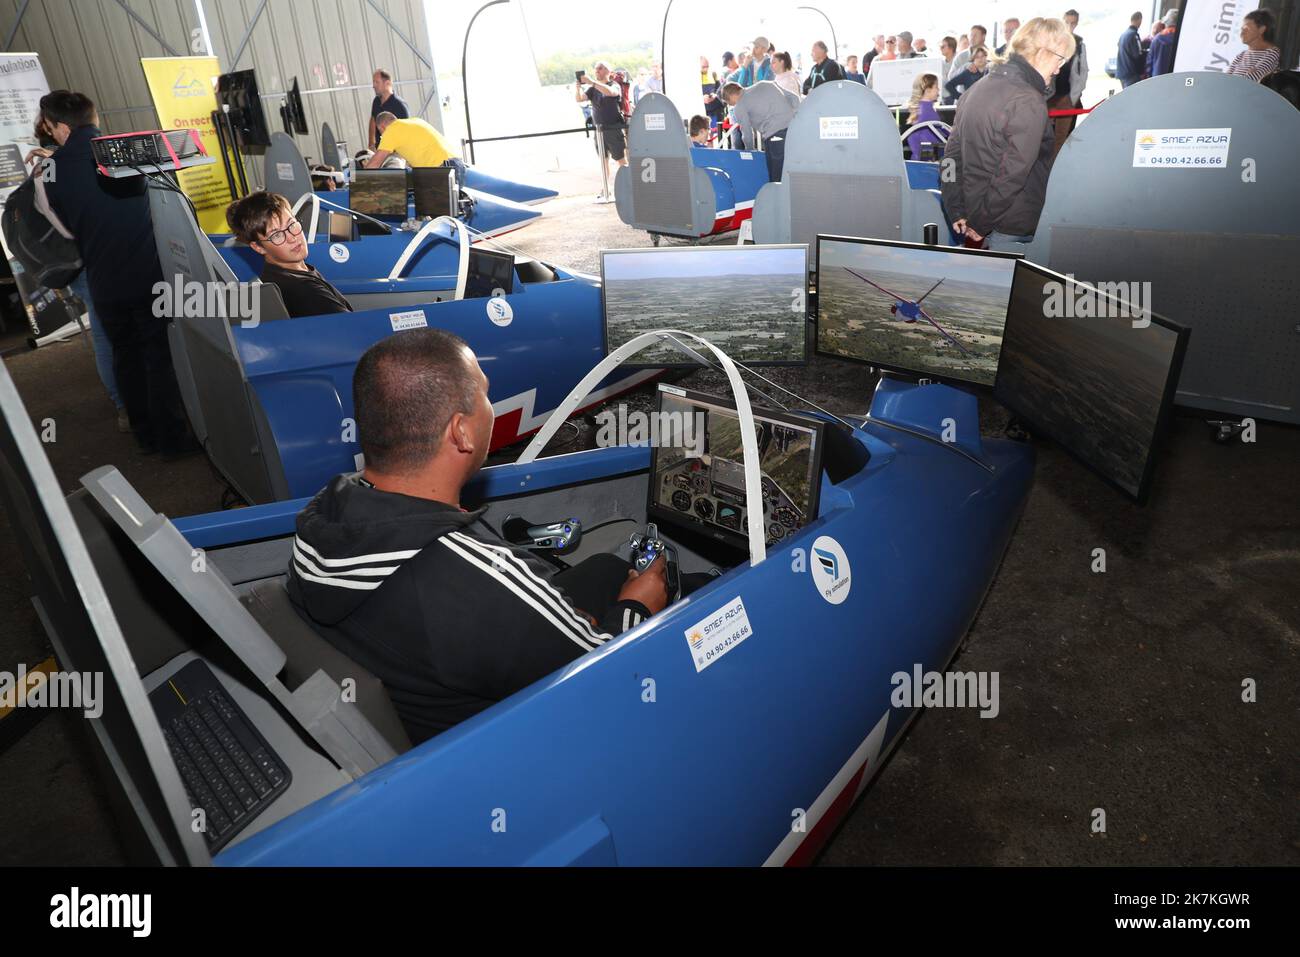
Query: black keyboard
{"points": [[228, 769]]}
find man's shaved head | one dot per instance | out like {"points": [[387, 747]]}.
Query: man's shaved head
{"points": [[405, 390]]}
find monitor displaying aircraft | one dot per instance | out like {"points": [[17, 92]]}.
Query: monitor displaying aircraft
{"points": [[936, 312]]}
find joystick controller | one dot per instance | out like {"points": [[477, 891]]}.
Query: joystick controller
{"points": [[560, 537], [646, 547]]}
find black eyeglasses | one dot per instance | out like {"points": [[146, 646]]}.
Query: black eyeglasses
{"points": [[278, 237]]}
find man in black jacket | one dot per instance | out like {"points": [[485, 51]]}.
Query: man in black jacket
{"points": [[114, 231], [1000, 151], [825, 70], [390, 569], [1129, 58]]}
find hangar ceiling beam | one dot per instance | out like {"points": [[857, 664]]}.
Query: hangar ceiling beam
{"points": [[18, 19], [146, 27], [400, 35], [203, 26], [433, 74], [248, 35]]}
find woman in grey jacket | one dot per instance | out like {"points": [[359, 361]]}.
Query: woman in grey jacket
{"points": [[1001, 143]]}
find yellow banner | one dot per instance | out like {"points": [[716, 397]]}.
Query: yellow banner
{"points": [[185, 97]]}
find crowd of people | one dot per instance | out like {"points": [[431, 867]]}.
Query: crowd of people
{"points": [[1003, 138]]}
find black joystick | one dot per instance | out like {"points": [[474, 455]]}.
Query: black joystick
{"points": [[646, 547], [560, 537]]}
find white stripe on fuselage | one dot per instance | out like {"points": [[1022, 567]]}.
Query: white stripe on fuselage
{"points": [[868, 753]]}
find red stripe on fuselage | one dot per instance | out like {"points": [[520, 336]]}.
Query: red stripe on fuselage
{"points": [[821, 832]]}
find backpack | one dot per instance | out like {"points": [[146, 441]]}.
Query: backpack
{"points": [[624, 103], [37, 238]]}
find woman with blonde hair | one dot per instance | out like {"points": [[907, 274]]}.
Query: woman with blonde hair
{"points": [[1002, 141], [925, 90], [920, 109]]}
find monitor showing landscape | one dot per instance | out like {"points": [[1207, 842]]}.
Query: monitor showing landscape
{"points": [[749, 301], [1098, 381], [380, 192], [934, 311]]}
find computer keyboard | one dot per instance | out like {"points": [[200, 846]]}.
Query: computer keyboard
{"points": [[229, 770]]}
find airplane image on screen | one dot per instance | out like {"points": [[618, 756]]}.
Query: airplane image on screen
{"points": [[909, 311]]}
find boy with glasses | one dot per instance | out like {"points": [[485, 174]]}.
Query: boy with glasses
{"points": [[265, 222]]}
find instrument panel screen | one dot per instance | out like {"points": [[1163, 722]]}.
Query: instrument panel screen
{"points": [[698, 473]]}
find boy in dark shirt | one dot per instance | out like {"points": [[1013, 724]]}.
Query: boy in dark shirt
{"points": [[265, 222]]}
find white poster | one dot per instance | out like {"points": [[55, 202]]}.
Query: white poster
{"points": [[892, 79], [22, 84], [1209, 34]]}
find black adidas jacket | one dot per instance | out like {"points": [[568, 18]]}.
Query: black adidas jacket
{"points": [[449, 616]]}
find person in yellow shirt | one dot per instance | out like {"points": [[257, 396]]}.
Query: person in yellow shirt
{"points": [[414, 140]]}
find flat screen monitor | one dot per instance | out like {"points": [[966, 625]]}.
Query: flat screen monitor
{"points": [[295, 116], [491, 273], [697, 474], [343, 228], [936, 312], [380, 192], [749, 301], [239, 92], [1090, 371], [435, 191]]}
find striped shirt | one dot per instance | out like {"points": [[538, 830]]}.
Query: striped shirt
{"points": [[1255, 64]]}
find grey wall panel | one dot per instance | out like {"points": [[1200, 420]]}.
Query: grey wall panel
{"points": [[95, 46], [331, 46]]}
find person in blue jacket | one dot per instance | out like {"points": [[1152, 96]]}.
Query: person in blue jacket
{"points": [[1160, 59], [1129, 60], [962, 80]]}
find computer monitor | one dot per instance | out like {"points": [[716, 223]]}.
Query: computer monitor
{"points": [[749, 301], [343, 228], [435, 191], [697, 474], [380, 192], [239, 92], [1090, 372], [491, 273], [936, 312], [295, 116]]}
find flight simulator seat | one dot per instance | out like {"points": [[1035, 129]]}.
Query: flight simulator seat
{"points": [[844, 175], [670, 187], [285, 170], [223, 409], [1202, 213]]}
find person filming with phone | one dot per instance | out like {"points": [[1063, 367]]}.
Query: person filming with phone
{"points": [[607, 113]]}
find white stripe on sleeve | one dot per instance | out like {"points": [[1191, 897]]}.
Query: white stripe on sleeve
{"points": [[565, 629]]}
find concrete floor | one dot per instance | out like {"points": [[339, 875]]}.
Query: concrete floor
{"points": [[1119, 691]]}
